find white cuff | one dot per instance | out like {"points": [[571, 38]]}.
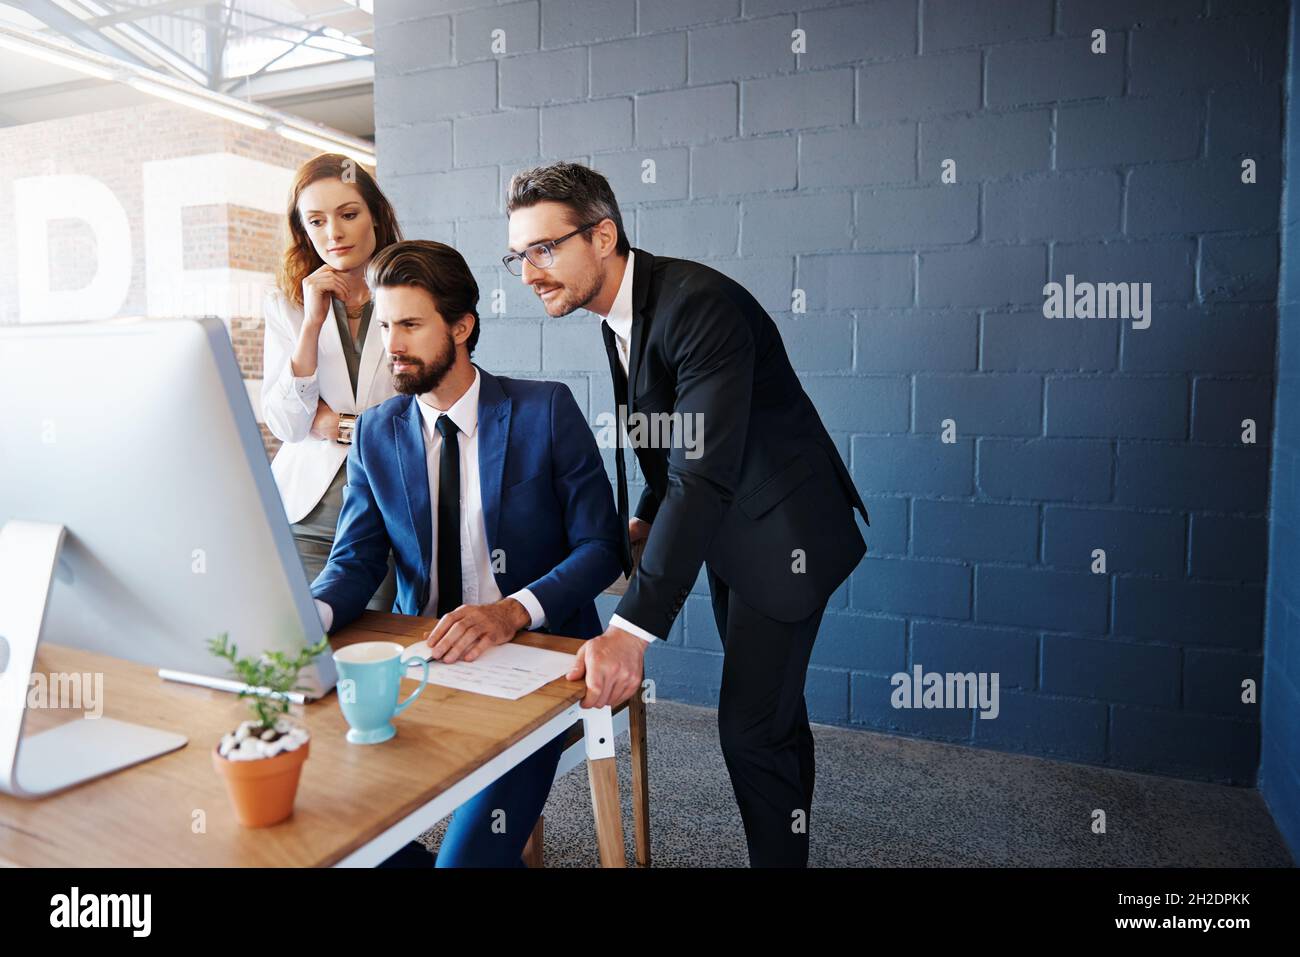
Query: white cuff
{"points": [[617, 622], [306, 388], [302, 384], [532, 606], [326, 614]]}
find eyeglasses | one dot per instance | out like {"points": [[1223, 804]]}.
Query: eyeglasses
{"points": [[541, 255]]}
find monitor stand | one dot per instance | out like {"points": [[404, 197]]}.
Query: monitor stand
{"points": [[79, 750]]}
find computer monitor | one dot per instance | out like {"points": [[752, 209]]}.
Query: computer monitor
{"points": [[136, 492]]}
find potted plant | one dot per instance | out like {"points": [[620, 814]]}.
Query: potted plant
{"points": [[261, 760]]}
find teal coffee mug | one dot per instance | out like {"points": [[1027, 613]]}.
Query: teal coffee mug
{"points": [[370, 676]]}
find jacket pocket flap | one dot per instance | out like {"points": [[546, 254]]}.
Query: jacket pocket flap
{"points": [[761, 500]]}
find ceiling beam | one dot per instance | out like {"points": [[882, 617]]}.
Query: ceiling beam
{"points": [[62, 22], [142, 13], [56, 89], [316, 77], [285, 102]]}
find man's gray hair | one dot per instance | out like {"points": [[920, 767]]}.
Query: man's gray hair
{"points": [[586, 192]]}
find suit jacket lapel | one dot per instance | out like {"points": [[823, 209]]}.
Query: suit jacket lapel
{"points": [[494, 438], [642, 264], [413, 464], [332, 367]]}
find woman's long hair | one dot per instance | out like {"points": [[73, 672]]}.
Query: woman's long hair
{"points": [[300, 258]]}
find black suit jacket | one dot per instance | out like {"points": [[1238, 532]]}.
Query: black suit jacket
{"points": [[767, 502]]}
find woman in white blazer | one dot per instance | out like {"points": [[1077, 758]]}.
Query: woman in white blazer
{"points": [[324, 361]]}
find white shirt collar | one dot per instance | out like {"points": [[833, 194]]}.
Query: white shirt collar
{"points": [[464, 411], [619, 319]]}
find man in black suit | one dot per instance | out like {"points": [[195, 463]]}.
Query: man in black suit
{"points": [[741, 476]]}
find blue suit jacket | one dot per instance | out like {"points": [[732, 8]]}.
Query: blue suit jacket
{"points": [[546, 503]]}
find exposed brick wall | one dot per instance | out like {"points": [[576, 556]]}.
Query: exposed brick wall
{"points": [[821, 171], [255, 239], [111, 147]]}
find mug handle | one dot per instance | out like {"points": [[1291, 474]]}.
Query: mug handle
{"points": [[424, 680]]}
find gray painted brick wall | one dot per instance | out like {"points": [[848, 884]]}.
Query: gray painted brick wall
{"points": [[820, 170]]}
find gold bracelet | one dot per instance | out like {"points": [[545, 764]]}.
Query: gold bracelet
{"points": [[347, 422]]}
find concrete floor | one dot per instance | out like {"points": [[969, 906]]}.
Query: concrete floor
{"points": [[888, 801]]}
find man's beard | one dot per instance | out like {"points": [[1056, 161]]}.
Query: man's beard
{"points": [[571, 303], [429, 375]]}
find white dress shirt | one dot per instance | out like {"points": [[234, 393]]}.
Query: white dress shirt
{"points": [[478, 583], [619, 321]]}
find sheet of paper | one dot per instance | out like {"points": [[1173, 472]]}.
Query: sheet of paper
{"points": [[503, 671]]}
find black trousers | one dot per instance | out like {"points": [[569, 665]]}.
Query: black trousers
{"points": [[763, 725]]}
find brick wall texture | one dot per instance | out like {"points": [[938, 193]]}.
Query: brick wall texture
{"points": [[110, 148], [897, 181], [820, 167]]}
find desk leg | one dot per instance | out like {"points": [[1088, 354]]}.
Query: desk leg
{"points": [[640, 779], [532, 855], [602, 771]]}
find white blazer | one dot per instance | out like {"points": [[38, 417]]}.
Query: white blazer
{"points": [[305, 466]]}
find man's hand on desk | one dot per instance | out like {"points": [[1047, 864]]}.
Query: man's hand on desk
{"points": [[613, 664], [471, 629]]}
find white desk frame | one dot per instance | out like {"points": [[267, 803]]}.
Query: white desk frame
{"points": [[598, 742]]}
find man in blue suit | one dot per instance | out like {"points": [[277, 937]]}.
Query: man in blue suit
{"points": [[491, 495]]}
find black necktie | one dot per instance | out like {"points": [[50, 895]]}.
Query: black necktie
{"points": [[620, 467], [449, 584]]}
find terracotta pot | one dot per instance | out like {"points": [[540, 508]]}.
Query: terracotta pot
{"points": [[262, 790]]}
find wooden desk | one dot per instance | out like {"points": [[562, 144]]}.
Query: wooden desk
{"points": [[356, 804]]}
